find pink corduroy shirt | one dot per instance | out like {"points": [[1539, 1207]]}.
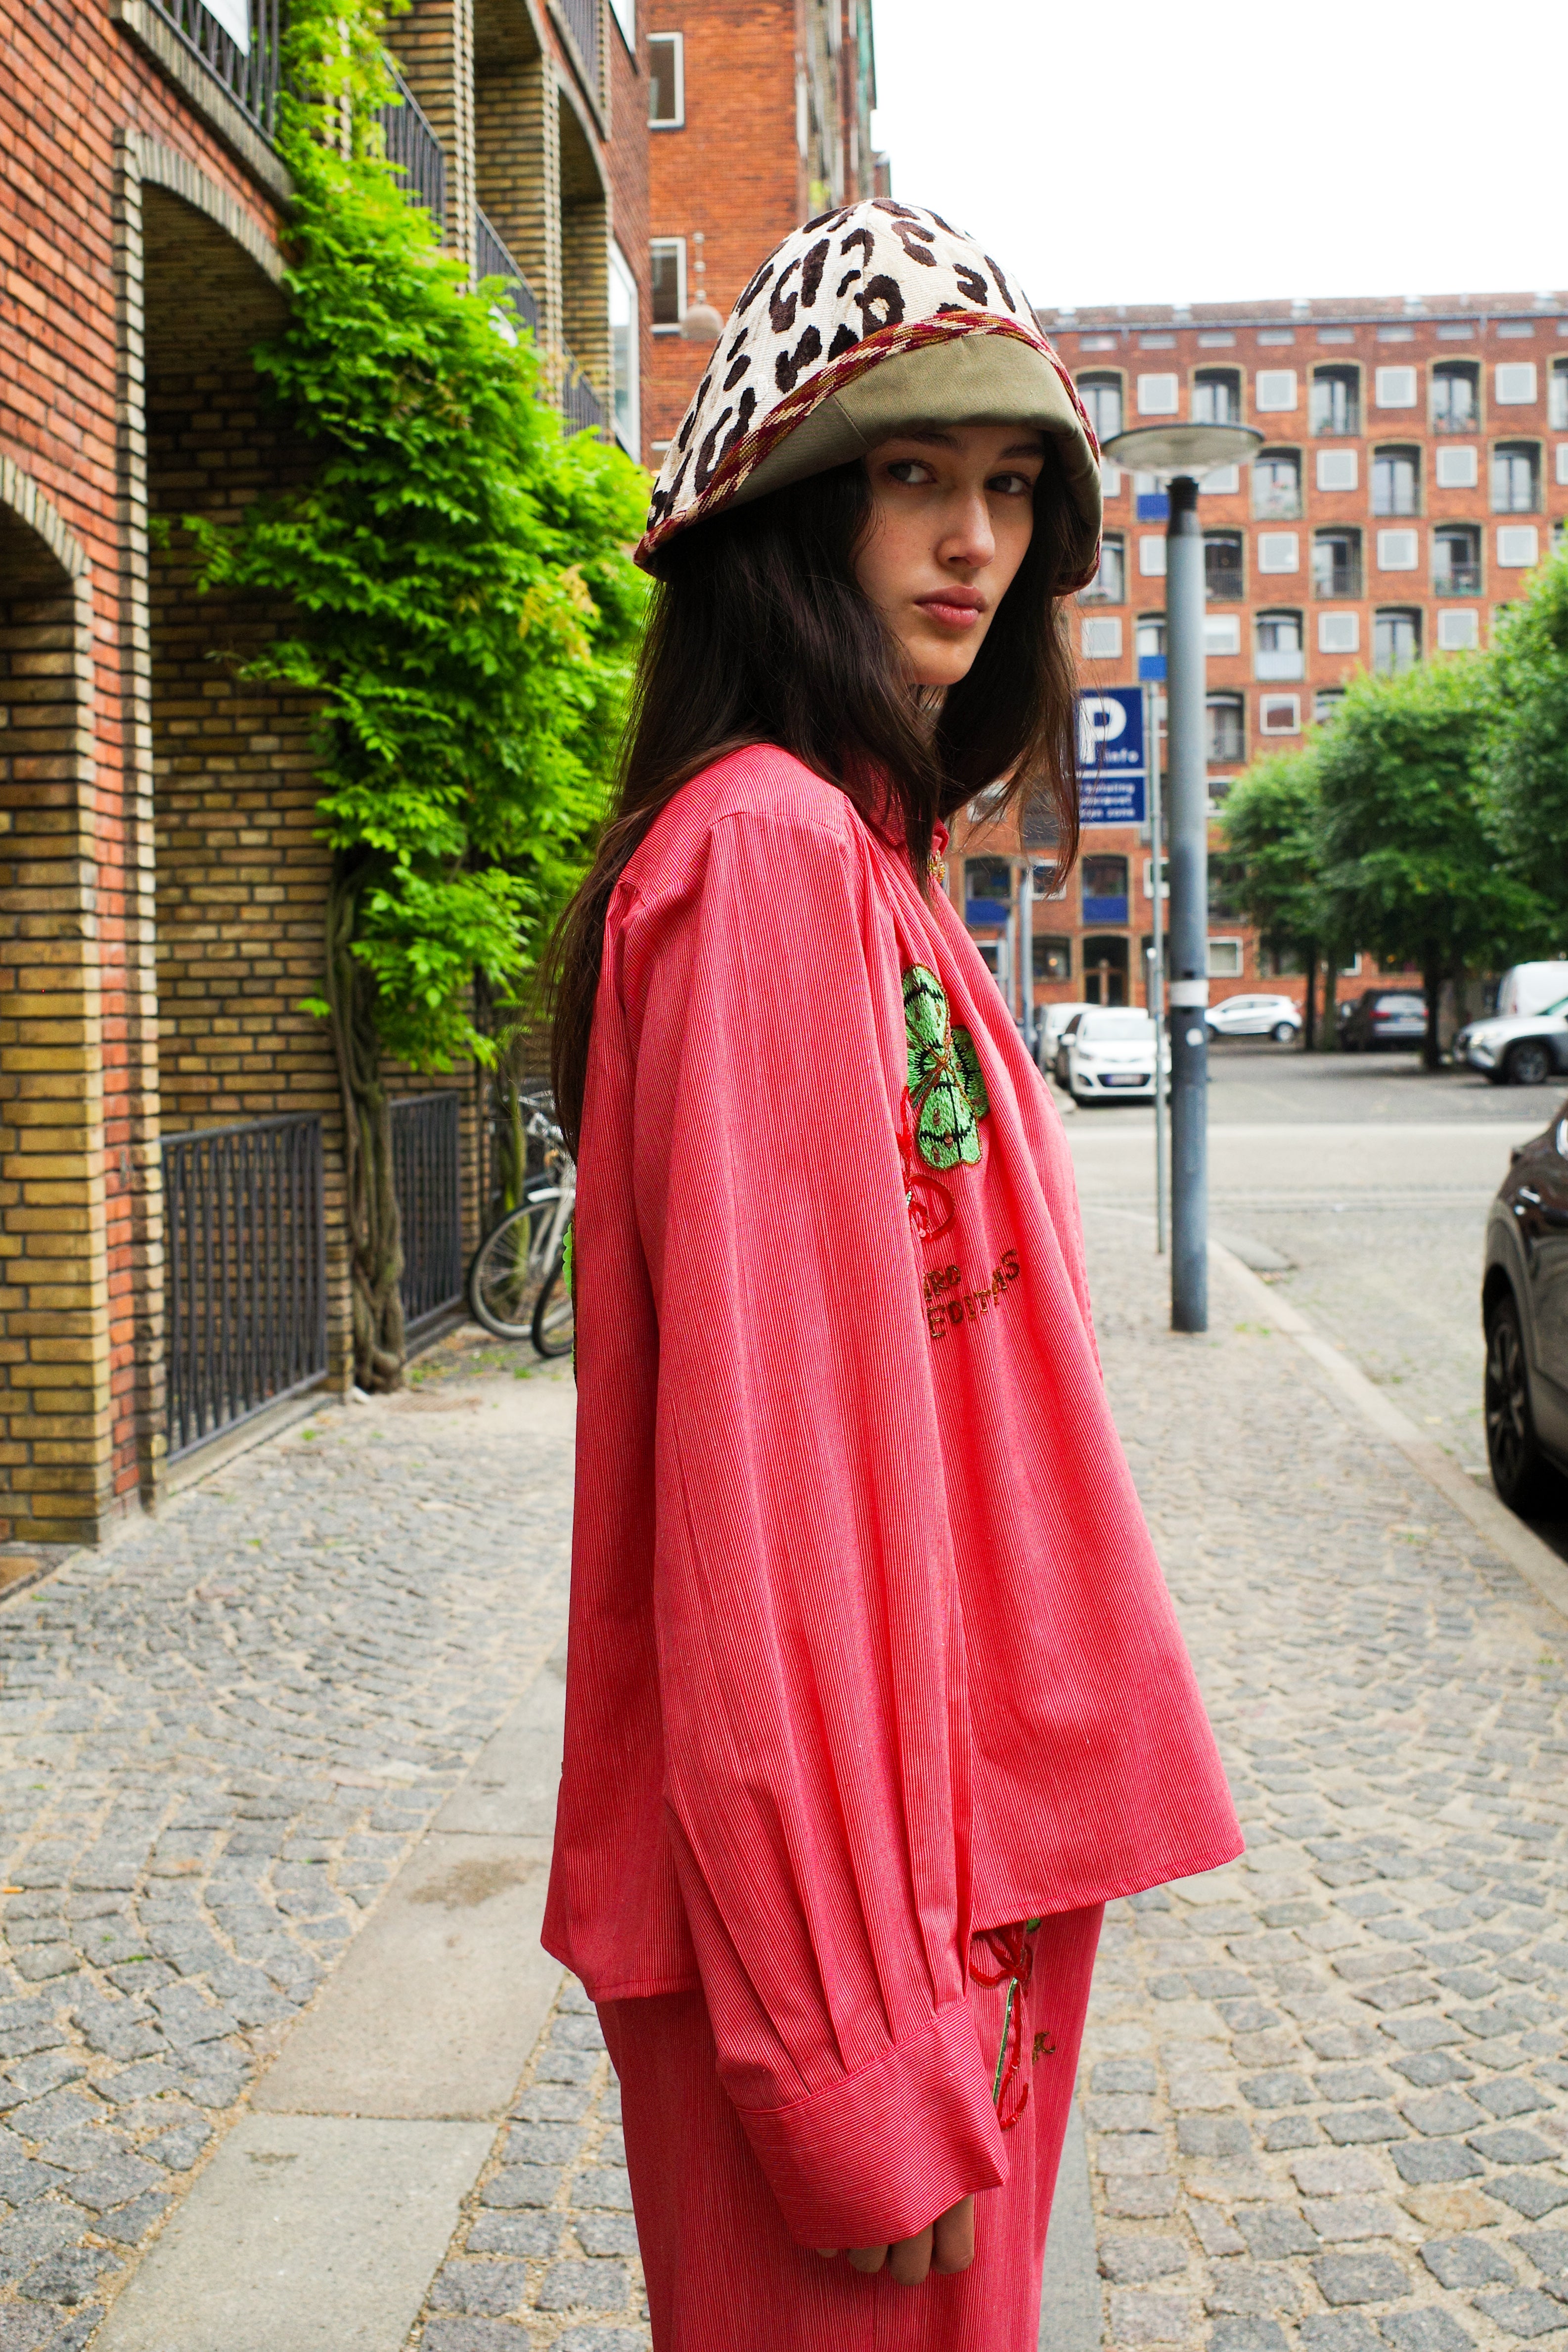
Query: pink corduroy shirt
{"points": [[870, 1647]]}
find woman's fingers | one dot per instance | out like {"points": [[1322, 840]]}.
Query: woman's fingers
{"points": [[953, 2249], [910, 2260], [867, 2258]]}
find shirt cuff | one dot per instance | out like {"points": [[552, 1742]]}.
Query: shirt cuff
{"points": [[876, 2157]]}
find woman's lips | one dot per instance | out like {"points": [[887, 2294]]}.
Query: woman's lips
{"points": [[959, 610]]}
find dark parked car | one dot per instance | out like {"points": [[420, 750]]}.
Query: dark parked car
{"points": [[1524, 1308], [1384, 1019]]}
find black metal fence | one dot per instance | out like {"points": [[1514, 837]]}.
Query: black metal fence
{"points": [[492, 259], [245, 1277], [412, 145], [580, 404], [426, 1174], [583, 21], [249, 76]]}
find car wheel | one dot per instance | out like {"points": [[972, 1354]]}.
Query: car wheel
{"points": [[1282, 1033], [1523, 1478], [1529, 1064]]}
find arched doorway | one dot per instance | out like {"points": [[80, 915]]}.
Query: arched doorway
{"points": [[1105, 968]]}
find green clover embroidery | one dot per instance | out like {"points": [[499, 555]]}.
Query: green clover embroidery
{"points": [[947, 1092]]}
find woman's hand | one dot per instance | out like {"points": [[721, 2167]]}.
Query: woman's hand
{"points": [[946, 2244]]}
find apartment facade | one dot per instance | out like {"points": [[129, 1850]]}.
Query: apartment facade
{"points": [[758, 116], [1413, 473], [172, 1247]]}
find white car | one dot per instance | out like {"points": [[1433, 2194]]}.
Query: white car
{"points": [[1050, 1022], [1255, 1016], [1106, 1052], [1522, 1049]]}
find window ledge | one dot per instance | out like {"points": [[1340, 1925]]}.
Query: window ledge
{"points": [[158, 40]]}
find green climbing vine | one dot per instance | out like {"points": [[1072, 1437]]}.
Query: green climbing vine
{"points": [[463, 611]]}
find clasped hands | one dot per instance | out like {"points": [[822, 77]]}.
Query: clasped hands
{"points": [[946, 2244]]}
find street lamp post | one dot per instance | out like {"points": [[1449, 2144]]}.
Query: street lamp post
{"points": [[1182, 453]]}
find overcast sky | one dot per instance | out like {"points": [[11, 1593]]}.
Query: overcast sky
{"points": [[1145, 152]]}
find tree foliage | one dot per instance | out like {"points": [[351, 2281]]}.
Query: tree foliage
{"points": [[1528, 742], [1268, 864], [465, 614]]}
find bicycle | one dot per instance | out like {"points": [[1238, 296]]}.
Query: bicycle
{"points": [[517, 1288]]}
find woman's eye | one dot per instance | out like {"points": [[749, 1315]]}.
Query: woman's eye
{"points": [[1012, 485], [909, 470]]}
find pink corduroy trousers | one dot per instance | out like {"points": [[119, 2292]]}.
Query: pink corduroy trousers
{"points": [[723, 2273]]}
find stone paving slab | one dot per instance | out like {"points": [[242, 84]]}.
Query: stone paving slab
{"points": [[1326, 2087]]}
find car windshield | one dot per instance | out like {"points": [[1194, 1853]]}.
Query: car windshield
{"points": [[1401, 1004], [1119, 1026]]}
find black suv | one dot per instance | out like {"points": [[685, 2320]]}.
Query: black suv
{"points": [[1387, 1020], [1524, 1308]]}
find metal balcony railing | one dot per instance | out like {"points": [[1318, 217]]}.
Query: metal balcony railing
{"points": [[1457, 579], [244, 1272], [1337, 580], [492, 259], [580, 404], [583, 23], [1222, 583], [1465, 421], [413, 146], [251, 75], [426, 1176]]}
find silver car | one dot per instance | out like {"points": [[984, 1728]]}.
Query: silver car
{"points": [[1255, 1016]]}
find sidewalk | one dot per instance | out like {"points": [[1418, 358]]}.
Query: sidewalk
{"points": [[1326, 2090]]}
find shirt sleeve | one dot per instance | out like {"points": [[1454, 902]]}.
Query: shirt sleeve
{"points": [[810, 1642]]}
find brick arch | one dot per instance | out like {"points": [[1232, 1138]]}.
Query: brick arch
{"points": [[56, 1473]]}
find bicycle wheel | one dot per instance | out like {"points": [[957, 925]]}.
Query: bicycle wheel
{"points": [[509, 1265], [554, 1313]]}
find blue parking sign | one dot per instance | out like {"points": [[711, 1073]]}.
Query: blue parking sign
{"points": [[1111, 767]]}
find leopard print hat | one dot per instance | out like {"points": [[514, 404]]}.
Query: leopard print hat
{"points": [[866, 321]]}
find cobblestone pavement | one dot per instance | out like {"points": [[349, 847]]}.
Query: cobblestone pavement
{"points": [[1326, 2088], [218, 1739], [546, 2252]]}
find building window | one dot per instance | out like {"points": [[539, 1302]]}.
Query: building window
{"points": [[1152, 555], [626, 12], [666, 81], [1395, 387], [1100, 639], [987, 890], [1053, 958], [1273, 390], [1216, 396], [1336, 563], [1227, 730], [1101, 398], [667, 277], [1277, 484], [1105, 889], [1396, 481], [1279, 645], [1518, 546], [1339, 469], [624, 340], [1339, 632], [1458, 631], [1336, 400], [1223, 565], [1557, 396], [1395, 643], [1225, 959], [1158, 395], [1279, 714], [1458, 469], [1516, 478], [1515, 384], [1456, 559], [1325, 702], [1562, 461], [1398, 551], [1108, 585], [1151, 645], [1278, 551], [1222, 634], [1456, 397]]}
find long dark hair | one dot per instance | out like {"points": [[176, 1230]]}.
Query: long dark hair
{"points": [[760, 633]]}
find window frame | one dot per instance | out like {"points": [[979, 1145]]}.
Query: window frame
{"points": [[1263, 404], [1557, 396], [620, 271], [1392, 451], [1236, 539], [1285, 453], [1323, 537], [625, 13], [1113, 546], [1395, 612], [1204, 379], [1450, 450], [1396, 367], [1529, 449], [1444, 534], [676, 121], [1327, 620], [1501, 399], [1451, 612], [1232, 705], [1349, 373], [1291, 702], [1467, 371], [676, 245], [1099, 380]]}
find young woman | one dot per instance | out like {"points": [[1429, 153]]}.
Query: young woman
{"points": [[875, 1695]]}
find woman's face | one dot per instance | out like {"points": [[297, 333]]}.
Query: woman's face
{"points": [[952, 512]]}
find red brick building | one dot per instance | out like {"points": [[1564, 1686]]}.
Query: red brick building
{"points": [[1414, 469], [760, 115], [170, 1120]]}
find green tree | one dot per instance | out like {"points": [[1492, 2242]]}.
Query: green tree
{"points": [[1268, 864], [465, 614], [1409, 857], [1529, 737]]}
